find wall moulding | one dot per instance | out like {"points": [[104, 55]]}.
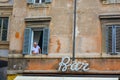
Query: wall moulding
{"points": [[3, 1]]}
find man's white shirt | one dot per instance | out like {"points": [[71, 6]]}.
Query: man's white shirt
{"points": [[36, 50]]}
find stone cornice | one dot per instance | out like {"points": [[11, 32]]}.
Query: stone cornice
{"points": [[6, 6], [42, 18], [108, 16]]}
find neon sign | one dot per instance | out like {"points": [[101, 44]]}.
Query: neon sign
{"points": [[67, 64]]}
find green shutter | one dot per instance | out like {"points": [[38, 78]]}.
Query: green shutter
{"points": [[30, 1], [113, 39], [27, 41], [109, 39], [118, 39], [48, 1], [45, 41]]}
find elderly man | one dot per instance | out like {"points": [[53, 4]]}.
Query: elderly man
{"points": [[36, 49]]}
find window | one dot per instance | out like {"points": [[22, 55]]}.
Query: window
{"points": [[113, 39], [38, 1], [110, 1], [3, 28], [39, 35]]}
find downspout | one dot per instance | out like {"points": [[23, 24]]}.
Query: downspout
{"points": [[74, 33]]}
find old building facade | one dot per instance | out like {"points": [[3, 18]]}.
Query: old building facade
{"points": [[50, 23]]}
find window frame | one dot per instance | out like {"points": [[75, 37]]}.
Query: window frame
{"points": [[33, 30], [40, 2], [7, 38], [110, 2], [29, 48], [105, 37]]}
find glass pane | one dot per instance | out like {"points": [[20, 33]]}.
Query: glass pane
{"points": [[5, 23], [37, 1], [43, 1], [4, 35]]}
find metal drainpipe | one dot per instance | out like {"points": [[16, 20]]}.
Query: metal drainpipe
{"points": [[74, 34]]}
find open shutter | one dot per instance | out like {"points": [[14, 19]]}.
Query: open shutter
{"points": [[30, 1], [27, 41], [48, 1], [109, 39], [45, 41], [118, 39], [113, 37]]}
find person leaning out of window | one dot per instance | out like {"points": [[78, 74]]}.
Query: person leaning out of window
{"points": [[36, 49]]}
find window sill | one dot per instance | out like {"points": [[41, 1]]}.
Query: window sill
{"points": [[60, 55], [4, 44], [37, 5], [6, 6], [51, 55], [110, 56], [106, 3]]}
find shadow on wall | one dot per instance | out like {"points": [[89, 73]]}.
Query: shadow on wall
{"points": [[3, 70]]}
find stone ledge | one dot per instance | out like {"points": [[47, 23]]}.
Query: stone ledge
{"points": [[109, 16], [15, 56], [6, 6], [4, 59], [4, 44], [56, 71], [14, 71], [39, 18], [60, 55], [37, 5]]}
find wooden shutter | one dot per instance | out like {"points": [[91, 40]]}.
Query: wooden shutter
{"points": [[45, 41], [48, 1], [27, 41], [109, 39], [30, 1], [113, 39], [118, 39]]}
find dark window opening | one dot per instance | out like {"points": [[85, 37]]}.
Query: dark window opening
{"points": [[3, 28], [39, 1], [38, 37], [36, 1]]}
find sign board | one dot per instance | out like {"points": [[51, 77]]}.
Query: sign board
{"points": [[61, 78], [67, 64]]}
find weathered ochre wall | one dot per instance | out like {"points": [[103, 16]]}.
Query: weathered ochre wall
{"points": [[60, 25], [18, 25], [88, 34], [88, 31], [96, 66]]}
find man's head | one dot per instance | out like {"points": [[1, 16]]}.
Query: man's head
{"points": [[35, 44]]}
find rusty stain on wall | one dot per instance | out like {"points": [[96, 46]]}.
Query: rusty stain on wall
{"points": [[17, 35], [59, 46]]}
